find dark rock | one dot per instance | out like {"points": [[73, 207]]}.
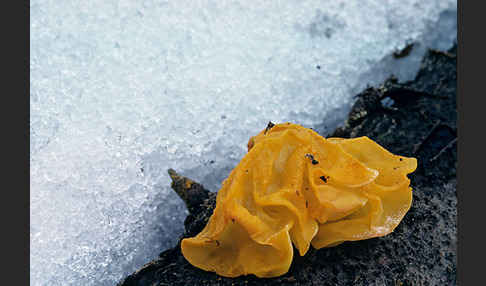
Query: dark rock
{"points": [[421, 122]]}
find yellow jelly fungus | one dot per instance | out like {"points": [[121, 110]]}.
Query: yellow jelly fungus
{"points": [[294, 186]]}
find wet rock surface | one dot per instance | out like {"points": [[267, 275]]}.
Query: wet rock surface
{"points": [[416, 118]]}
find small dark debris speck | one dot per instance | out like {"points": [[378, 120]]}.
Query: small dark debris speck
{"points": [[314, 161], [324, 178], [401, 159], [404, 52], [297, 192], [269, 126], [318, 67], [306, 204]]}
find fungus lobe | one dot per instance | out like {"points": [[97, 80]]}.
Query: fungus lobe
{"points": [[259, 214]]}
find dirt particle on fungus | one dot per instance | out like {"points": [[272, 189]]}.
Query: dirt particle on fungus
{"points": [[233, 220], [306, 204], [401, 159], [324, 178], [297, 192], [269, 126], [217, 242], [313, 160]]}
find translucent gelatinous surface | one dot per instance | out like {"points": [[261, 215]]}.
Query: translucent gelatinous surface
{"points": [[294, 186]]}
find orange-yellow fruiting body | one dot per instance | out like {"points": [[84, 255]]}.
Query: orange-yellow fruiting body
{"points": [[294, 186]]}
